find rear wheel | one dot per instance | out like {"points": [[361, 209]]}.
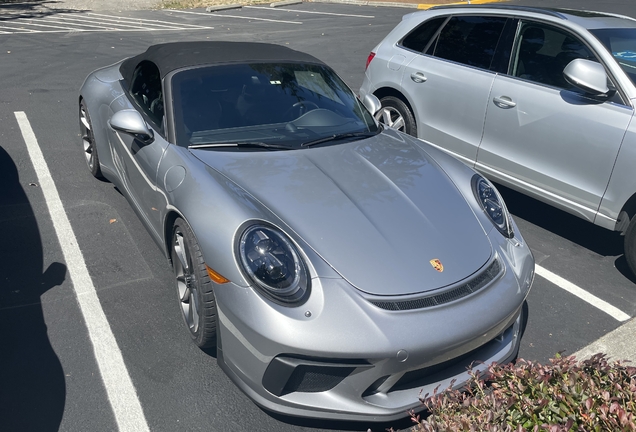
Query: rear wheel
{"points": [[194, 287], [630, 245], [396, 114], [88, 141]]}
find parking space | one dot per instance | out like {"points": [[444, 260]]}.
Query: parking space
{"points": [[89, 22], [582, 290]]}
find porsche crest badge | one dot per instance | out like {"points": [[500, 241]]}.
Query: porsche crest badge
{"points": [[437, 265]]}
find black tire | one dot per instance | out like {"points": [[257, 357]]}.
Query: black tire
{"points": [[195, 290], [395, 113], [88, 141], [630, 245]]}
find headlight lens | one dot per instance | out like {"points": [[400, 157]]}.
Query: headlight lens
{"points": [[493, 205], [273, 264]]}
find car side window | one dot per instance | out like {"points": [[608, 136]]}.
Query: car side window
{"points": [[470, 40], [418, 39], [543, 51], [146, 91]]}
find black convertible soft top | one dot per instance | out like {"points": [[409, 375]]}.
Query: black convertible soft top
{"points": [[177, 55]]}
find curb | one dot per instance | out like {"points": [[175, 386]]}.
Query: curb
{"points": [[223, 7], [619, 344], [285, 3], [422, 6], [368, 3]]}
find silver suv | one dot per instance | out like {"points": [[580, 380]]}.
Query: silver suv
{"points": [[540, 100]]}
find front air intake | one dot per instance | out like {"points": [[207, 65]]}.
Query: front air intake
{"points": [[287, 374], [475, 284]]}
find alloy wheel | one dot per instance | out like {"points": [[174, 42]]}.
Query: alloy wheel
{"points": [[88, 141], [391, 117], [186, 282]]}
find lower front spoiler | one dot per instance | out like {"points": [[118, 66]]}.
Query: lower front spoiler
{"points": [[406, 390]]}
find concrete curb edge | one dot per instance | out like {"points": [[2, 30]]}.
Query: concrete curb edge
{"points": [[285, 3], [619, 344], [223, 7]]}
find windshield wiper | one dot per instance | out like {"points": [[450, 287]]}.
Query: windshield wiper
{"points": [[247, 144], [339, 136]]}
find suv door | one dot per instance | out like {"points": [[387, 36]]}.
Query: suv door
{"points": [[542, 135], [449, 82]]}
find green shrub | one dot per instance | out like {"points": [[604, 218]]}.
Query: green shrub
{"points": [[566, 395]]}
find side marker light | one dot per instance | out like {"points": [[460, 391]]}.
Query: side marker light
{"points": [[216, 277]]}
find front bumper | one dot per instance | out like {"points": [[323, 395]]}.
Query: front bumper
{"points": [[348, 359]]}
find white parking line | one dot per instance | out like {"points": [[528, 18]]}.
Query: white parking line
{"points": [[568, 286], [119, 387], [216, 15], [112, 23], [62, 20], [90, 22], [29, 23], [142, 21], [308, 12], [19, 30]]}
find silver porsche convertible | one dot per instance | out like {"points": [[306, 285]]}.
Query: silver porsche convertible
{"points": [[338, 267]]}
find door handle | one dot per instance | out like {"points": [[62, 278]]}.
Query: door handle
{"points": [[418, 77], [504, 102]]}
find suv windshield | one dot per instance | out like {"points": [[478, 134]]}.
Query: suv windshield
{"points": [[621, 42], [265, 105]]}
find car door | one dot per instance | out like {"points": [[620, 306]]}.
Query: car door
{"points": [[136, 161], [544, 136], [449, 83]]}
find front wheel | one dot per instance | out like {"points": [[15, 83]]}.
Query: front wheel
{"points": [[88, 141], [396, 114], [194, 287]]}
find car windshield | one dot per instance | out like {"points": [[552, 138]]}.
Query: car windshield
{"points": [[266, 106], [621, 42]]}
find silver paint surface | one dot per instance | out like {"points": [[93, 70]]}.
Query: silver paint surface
{"points": [[367, 217]]}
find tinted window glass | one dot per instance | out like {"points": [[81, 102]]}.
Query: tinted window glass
{"points": [[501, 60], [622, 44], [419, 38], [470, 40], [280, 104], [146, 92], [542, 52]]}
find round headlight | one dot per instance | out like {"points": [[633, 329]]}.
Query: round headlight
{"points": [[493, 205], [273, 264]]}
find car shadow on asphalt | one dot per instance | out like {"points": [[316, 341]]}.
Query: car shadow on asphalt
{"points": [[599, 240], [32, 382], [592, 237], [399, 425], [14, 9]]}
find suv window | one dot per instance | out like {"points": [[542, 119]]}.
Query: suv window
{"points": [[145, 90], [471, 40], [418, 39], [542, 52]]}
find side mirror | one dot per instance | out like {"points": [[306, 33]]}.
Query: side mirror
{"points": [[587, 75], [372, 103], [132, 123]]}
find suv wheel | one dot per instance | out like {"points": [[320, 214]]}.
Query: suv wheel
{"points": [[630, 245], [396, 114]]}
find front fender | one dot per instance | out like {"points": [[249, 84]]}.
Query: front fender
{"points": [[622, 184], [98, 96]]}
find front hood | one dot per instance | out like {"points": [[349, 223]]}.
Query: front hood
{"points": [[377, 210]]}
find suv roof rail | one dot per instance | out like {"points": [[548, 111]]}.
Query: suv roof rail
{"points": [[534, 9]]}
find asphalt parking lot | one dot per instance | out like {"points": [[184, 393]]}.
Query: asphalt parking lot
{"points": [[50, 377]]}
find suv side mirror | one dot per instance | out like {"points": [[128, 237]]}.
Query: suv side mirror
{"points": [[132, 123], [587, 75], [372, 103]]}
